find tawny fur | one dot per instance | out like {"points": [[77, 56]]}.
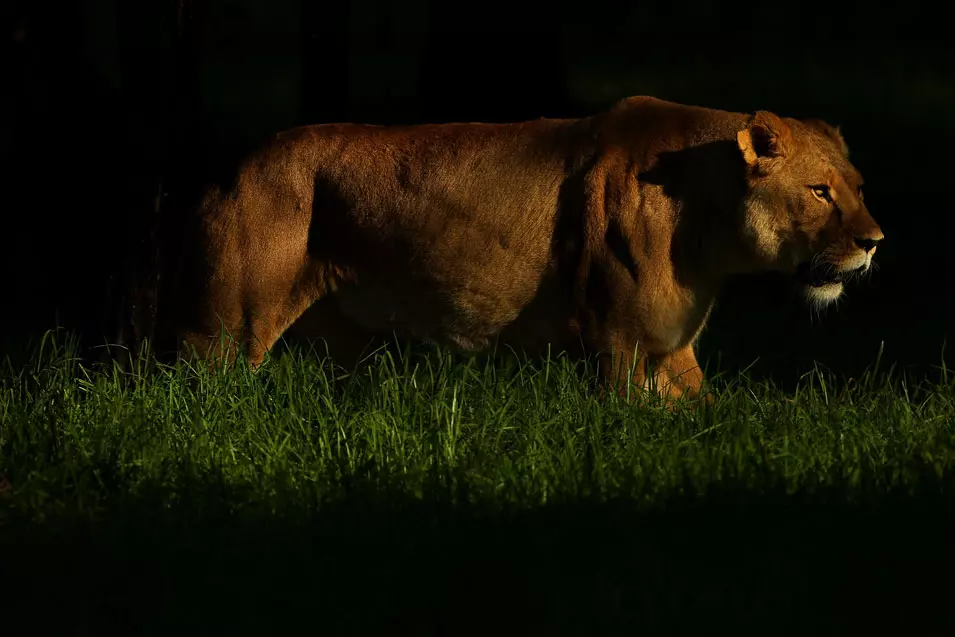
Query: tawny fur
{"points": [[608, 234]]}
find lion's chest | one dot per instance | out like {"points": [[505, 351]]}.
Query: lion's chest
{"points": [[672, 319]]}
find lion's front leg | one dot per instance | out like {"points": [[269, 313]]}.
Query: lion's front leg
{"points": [[678, 375], [623, 371], [672, 376]]}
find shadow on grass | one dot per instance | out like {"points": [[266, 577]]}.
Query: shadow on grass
{"points": [[375, 560], [104, 532]]}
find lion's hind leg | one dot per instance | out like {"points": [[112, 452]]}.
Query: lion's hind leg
{"points": [[247, 314]]}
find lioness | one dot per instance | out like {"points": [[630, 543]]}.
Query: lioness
{"points": [[608, 234]]}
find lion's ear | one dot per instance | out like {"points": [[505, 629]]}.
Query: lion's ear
{"points": [[833, 132], [766, 137]]}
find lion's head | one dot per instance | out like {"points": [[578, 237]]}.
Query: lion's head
{"points": [[804, 213]]}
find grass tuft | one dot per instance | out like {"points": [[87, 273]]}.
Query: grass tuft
{"points": [[389, 463]]}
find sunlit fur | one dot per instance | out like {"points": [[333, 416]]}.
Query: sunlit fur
{"points": [[806, 209], [610, 234]]}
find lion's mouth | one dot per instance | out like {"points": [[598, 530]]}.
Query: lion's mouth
{"points": [[819, 275]]}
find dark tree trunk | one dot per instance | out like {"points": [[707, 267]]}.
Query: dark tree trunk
{"points": [[500, 63], [325, 64], [164, 96]]}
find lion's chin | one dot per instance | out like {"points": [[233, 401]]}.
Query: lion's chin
{"points": [[823, 294], [822, 282]]}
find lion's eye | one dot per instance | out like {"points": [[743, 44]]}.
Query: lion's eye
{"points": [[822, 192]]}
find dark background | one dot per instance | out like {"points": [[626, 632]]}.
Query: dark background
{"points": [[115, 111]]}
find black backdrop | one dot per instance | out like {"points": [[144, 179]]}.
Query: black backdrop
{"points": [[116, 111]]}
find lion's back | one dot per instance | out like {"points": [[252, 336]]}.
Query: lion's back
{"points": [[446, 231]]}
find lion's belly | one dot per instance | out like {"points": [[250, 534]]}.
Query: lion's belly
{"points": [[450, 274], [465, 314]]}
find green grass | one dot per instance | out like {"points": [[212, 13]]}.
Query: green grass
{"points": [[431, 494]]}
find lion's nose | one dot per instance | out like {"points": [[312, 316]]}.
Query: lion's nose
{"points": [[868, 243]]}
